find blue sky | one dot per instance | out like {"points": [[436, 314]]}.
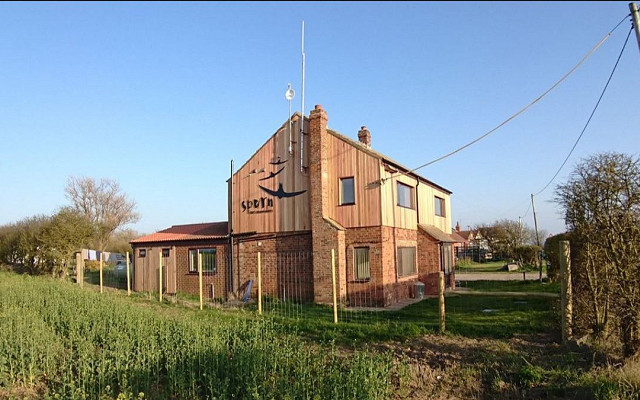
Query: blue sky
{"points": [[161, 96]]}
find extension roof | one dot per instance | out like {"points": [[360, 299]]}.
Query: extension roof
{"points": [[204, 231], [436, 233]]}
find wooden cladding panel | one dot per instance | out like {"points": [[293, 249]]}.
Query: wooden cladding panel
{"points": [[345, 160], [401, 217], [428, 215], [285, 214]]}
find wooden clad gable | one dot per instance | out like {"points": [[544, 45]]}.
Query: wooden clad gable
{"points": [[270, 191], [350, 160]]}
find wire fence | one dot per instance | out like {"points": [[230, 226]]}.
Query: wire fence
{"points": [[282, 284]]}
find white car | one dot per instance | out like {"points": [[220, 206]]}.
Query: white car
{"points": [[120, 270]]}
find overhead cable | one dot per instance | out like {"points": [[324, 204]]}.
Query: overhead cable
{"points": [[590, 116], [565, 76]]}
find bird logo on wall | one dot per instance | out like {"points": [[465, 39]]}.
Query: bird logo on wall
{"points": [[280, 193], [271, 175]]}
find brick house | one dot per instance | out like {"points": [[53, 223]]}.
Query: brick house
{"points": [[321, 190], [306, 192]]}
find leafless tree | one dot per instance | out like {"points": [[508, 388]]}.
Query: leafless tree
{"points": [[601, 202], [103, 204]]}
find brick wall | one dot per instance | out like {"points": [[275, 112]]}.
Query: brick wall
{"points": [[365, 293], [188, 282], [429, 261], [286, 266]]}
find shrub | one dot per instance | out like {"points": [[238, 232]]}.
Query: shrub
{"points": [[552, 252], [527, 254]]}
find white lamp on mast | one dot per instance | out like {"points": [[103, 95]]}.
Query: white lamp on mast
{"points": [[289, 94]]}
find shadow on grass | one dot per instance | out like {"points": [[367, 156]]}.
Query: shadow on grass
{"points": [[477, 317], [529, 286]]}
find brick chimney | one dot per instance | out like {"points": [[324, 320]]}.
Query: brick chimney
{"points": [[364, 136], [458, 226], [325, 236], [318, 142]]}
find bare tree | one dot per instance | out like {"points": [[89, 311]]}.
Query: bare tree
{"points": [[103, 204], [601, 201]]}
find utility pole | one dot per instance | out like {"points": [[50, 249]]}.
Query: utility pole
{"points": [[535, 222], [636, 20]]}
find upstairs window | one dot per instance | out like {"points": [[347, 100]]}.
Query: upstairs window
{"points": [[405, 195], [347, 191], [439, 206], [142, 253], [208, 260]]}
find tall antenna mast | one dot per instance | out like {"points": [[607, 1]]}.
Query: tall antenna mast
{"points": [[302, 108]]}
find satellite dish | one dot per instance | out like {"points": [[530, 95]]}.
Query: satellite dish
{"points": [[289, 93]]}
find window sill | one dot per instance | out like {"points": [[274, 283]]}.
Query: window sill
{"points": [[405, 207], [408, 277], [367, 280], [346, 204], [207, 273]]}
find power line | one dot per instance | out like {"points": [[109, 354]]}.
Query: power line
{"points": [[604, 39], [590, 116]]}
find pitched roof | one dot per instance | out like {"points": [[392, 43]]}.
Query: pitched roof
{"points": [[384, 158], [436, 233], [459, 239], [204, 231], [296, 118], [466, 235]]}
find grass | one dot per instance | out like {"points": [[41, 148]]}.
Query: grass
{"points": [[483, 316], [496, 266], [512, 286]]}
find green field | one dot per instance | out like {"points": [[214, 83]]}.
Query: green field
{"points": [[62, 341], [59, 341]]}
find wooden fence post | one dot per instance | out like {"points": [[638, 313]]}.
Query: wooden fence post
{"points": [[333, 284], [160, 276], [259, 285], [100, 272], [128, 277], [79, 269], [200, 277], [566, 292], [441, 300]]}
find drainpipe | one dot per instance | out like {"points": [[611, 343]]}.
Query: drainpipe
{"points": [[230, 228], [417, 201]]}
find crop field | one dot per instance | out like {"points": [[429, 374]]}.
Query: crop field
{"points": [[59, 341]]}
